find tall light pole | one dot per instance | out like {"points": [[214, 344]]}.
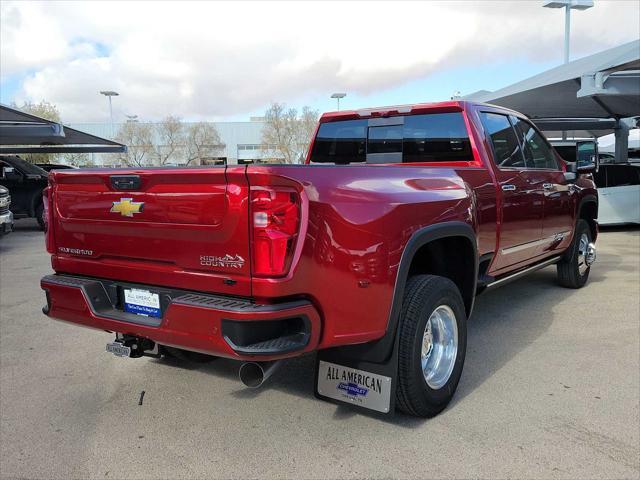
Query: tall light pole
{"points": [[338, 96], [109, 94], [568, 5]]}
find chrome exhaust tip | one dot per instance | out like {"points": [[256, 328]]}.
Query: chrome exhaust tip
{"points": [[254, 374]]}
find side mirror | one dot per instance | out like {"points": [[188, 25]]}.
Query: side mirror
{"points": [[587, 156], [10, 173]]}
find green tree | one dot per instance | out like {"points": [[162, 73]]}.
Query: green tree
{"points": [[45, 110]]}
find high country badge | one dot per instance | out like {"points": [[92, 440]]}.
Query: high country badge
{"points": [[229, 261]]}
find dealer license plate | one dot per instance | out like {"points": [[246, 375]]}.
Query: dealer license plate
{"points": [[141, 302], [364, 389]]}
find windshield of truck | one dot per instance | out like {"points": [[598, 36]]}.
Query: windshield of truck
{"points": [[435, 137]]}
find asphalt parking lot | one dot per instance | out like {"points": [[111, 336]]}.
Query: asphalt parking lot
{"points": [[551, 389]]}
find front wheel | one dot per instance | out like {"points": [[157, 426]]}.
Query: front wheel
{"points": [[574, 268], [432, 345]]}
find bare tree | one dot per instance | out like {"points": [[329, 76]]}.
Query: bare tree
{"points": [[138, 137], [307, 124], [287, 135], [171, 139], [202, 141]]}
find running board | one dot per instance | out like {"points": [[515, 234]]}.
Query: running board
{"points": [[521, 273]]}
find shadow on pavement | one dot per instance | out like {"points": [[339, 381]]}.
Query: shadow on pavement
{"points": [[505, 322], [509, 319]]}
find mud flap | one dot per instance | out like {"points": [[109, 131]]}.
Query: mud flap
{"points": [[344, 376]]}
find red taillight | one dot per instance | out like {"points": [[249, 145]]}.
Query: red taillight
{"points": [[46, 207], [275, 217]]}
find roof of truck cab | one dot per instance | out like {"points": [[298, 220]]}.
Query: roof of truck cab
{"points": [[415, 108]]}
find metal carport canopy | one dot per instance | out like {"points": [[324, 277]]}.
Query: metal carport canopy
{"points": [[603, 85], [22, 132]]}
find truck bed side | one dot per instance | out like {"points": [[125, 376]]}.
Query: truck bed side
{"points": [[360, 219]]}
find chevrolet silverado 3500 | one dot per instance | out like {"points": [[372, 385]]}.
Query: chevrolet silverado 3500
{"points": [[370, 254]]}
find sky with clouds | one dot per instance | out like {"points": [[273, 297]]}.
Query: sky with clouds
{"points": [[229, 60]]}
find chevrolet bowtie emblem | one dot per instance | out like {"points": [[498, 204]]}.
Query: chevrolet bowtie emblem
{"points": [[127, 207]]}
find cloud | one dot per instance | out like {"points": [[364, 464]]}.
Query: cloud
{"points": [[211, 60]]}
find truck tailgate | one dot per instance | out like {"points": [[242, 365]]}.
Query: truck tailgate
{"points": [[184, 228]]}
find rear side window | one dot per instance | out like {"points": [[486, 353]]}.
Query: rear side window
{"points": [[506, 148], [436, 137], [341, 142]]}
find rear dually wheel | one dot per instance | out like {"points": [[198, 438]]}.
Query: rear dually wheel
{"points": [[432, 345]]}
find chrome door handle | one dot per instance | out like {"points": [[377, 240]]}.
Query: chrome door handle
{"points": [[507, 187], [547, 186]]}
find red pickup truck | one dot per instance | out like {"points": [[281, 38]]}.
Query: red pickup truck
{"points": [[370, 254]]}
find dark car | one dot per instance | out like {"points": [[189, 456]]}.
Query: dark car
{"points": [[53, 166], [6, 216], [25, 182]]}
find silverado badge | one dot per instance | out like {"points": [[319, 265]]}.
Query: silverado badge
{"points": [[127, 207]]}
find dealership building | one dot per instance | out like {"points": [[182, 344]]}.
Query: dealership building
{"points": [[241, 142]]}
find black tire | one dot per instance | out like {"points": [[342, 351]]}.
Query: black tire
{"points": [[569, 274], [187, 356], [40, 217], [423, 295]]}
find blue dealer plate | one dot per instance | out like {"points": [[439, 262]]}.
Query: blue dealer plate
{"points": [[142, 302]]}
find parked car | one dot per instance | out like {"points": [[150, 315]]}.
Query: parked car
{"points": [[606, 157], [47, 167], [25, 182], [371, 254], [619, 192], [6, 216]]}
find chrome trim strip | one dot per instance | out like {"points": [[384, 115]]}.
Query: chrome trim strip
{"points": [[556, 237], [524, 272]]}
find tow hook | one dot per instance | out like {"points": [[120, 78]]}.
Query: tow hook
{"points": [[132, 347], [591, 255]]}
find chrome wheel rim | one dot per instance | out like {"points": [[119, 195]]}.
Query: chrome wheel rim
{"points": [[439, 347], [583, 250]]}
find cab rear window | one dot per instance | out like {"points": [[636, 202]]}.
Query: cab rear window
{"points": [[435, 137]]}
